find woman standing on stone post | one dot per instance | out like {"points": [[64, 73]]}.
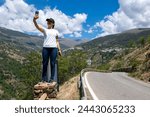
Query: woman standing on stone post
{"points": [[50, 47]]}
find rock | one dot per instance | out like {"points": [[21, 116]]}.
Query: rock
{"points": [[52, 95], [38, 95], [43, 91], [45, 85], [147, 54], [43, 97], [38, 91]]}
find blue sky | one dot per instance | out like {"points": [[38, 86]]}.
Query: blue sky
{"points": [[95, 9], [81, 19]]}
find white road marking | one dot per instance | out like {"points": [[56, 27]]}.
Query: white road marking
{"points": [[90, 89]]}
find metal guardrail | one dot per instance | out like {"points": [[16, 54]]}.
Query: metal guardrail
{"points": [[82, 85]]}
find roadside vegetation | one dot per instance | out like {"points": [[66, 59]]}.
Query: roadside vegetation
{"points": [[17, 80]]}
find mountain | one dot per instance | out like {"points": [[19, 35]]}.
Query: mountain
{"points": [[72, 42], [31, 42], [120, 40], [137, 30]]}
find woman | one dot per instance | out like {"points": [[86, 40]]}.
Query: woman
{"points": [[50, 47]]}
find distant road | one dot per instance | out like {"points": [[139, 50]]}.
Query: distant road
{"points": [[116, 86]]}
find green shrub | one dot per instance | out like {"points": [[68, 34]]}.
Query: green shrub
{"points": [[119, 64], [134, 63], [104, 66]]}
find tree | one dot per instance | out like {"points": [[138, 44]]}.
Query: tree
{"points": [[31, 72], [148, 39], [131, 44], [71, 64], [142, 41]]}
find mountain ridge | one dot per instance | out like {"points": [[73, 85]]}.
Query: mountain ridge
{"points": [[117, 40], [32, 41]]}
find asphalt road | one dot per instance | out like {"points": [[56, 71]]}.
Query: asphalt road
{"points": [[116, 86]]}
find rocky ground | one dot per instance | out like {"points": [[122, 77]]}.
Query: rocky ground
{"points": [[69, 90]]}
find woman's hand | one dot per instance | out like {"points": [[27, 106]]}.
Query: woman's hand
{"points": [[35, 17], [60, 53]]}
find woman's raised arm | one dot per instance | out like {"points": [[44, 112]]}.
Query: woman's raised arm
{"points": [[36, 25]]}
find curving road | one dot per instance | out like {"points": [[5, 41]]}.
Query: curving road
{"points": [[116, 86]]}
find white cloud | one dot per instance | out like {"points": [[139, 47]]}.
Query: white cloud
{"points": [[90, 31], [77, 34], [18, 15], [131, 14]]}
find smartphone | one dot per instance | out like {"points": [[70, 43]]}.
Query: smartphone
{"points": [[36, 13]]}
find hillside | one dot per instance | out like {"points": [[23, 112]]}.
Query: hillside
{"points": [[20, 40], [69, 86], [120, 40], [102, 49], [138, 58]]}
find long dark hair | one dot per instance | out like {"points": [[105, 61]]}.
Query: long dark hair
{"points": [[53, 26]]}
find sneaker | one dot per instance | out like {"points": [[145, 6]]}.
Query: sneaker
{"points": [[41, 82], [52, 81]]}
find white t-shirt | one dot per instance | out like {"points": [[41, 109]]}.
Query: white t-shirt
{"points": [[50, 38]]}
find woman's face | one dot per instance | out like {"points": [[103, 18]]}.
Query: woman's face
{"points": [[50, 25]]}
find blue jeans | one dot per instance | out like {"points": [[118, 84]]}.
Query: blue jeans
{"points": [[46, 54]]}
